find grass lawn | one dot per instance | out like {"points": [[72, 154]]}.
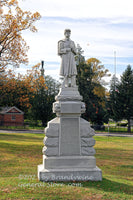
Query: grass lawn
{"points": [[21, 153]]}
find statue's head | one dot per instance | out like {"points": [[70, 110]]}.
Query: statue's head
{"points": [[67, 31]]}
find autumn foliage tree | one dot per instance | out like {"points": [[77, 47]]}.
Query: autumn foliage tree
{"points": [[31, 93], [13, 20], [99, 72], [20, 91], [91, 87]]}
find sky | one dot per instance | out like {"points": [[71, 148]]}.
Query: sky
{"points": [[100, 27]]}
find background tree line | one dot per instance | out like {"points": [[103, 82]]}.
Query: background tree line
{"points": [[31, 93], [120, 102], [35, 94], [116, 104]]}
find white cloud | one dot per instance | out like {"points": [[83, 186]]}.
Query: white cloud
{"points": [[84, 8]]}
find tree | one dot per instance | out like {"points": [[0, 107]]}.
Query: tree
{"points": [[88, 80], [19, 91], [121, 99], [42, 102], [99, 72], [14, 92], [31, 92], [113, 107], [13, 20]]}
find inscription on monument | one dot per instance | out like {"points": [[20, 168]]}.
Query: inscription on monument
{"points": [[69, 144]]}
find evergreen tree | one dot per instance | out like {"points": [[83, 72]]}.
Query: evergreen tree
{"points": [[113, 106], [121, 97], [125, 95]]}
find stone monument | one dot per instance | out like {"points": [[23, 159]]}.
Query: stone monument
{"points": [[68, 153]]}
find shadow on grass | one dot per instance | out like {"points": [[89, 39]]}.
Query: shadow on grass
{"points": [[107, 185]]}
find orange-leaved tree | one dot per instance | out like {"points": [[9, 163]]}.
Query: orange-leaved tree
{"points": [[14, 91], [20, 91], [90, 81], [13, 20], [99, 72]]}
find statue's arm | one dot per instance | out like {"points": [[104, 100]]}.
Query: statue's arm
{"points": [[73, 48], [61, 49]]}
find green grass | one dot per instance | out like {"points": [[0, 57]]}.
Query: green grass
{"points": [[21, 153]]}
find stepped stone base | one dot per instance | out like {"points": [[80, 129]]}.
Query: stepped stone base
{"points": [[68, 153], [69, 162], [76, 174]]}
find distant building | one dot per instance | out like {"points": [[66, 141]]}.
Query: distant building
{"points": [[11, 116]]}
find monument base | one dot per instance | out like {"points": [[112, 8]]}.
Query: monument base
{"points": [[68, 153], [77, 174]]}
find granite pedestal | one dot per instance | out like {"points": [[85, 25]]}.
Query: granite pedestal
{"points": [[68, 153]]}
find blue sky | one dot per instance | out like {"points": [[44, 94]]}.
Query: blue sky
{"points": [[99, 26]]}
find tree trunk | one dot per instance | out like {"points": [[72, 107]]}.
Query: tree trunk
{"points": [[44, 123], [129, 126]]}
